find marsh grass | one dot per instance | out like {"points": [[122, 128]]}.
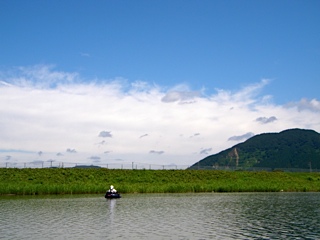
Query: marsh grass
{"points": [[79, 181]]}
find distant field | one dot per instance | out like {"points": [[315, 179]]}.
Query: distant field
{"points": [[30, 181]]}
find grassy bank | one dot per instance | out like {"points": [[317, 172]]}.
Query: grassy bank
{"points": [[78, 181]]}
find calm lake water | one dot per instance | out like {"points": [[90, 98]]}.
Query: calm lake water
{"points": [[163, 216]]}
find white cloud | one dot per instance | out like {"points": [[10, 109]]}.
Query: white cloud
{"points": [[41, 108]]}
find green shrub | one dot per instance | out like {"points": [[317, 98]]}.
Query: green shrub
{"points": [[78, 181]]}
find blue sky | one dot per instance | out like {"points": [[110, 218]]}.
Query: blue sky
{"points": [[167, 71]]}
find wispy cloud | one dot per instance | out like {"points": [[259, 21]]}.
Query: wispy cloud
{"points": [[69, 150], [205, 151], [101, 143], [83, 54], [156, 152], [175, 96], [39, 76], [144, 135], [266, 120], [5, 84], [95, 158], [195, 135], [241, 137], [180, 93], [105, 134], [305, 104]]}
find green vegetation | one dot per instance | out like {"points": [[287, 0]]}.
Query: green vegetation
{"points": [[78, 181], [293, 148]]}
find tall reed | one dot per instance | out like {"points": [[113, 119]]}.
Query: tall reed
{"points": [[78, 181]]}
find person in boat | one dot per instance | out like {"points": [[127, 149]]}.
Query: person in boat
{"points": [[112, 189]]}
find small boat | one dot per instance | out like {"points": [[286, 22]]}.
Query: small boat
{"points": [[112, 195]]}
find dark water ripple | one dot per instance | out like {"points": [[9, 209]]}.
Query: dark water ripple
{"points": [[163, 216]]}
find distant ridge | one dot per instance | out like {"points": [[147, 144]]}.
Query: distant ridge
{"points": [[86, 166], [292, 148]]}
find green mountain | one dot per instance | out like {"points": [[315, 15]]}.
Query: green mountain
{"points": [[293, 148]]}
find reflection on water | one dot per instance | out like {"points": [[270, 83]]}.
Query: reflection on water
{"points": [[163, 216], [111, 209]]}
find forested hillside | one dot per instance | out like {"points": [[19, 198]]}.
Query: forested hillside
{"points": [[293, 148]]}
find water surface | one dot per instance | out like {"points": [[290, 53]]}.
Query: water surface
{"points": [[163, 216]]}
